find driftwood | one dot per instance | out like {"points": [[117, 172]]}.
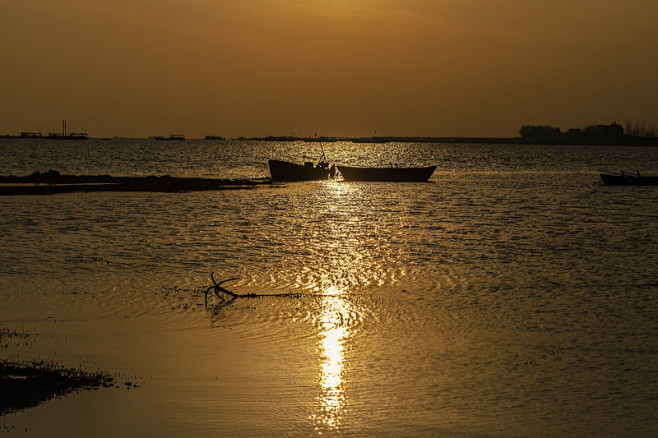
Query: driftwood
{"points": [[216, 288]]}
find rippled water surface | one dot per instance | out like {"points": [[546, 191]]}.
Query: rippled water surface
{"points": [[512, 295]]}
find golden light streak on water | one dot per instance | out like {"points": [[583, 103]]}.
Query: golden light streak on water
{"points": [[334, 334]]}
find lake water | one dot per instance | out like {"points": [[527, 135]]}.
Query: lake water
{"points": [[512, 295]]}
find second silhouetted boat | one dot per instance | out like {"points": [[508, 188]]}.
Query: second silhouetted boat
{"points": [[628, 179], [391, 173]]}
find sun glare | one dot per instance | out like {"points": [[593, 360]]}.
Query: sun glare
{"points": [[334, 334]]}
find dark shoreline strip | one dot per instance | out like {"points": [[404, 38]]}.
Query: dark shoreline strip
{"points": [[24, 386], [52, 182]]}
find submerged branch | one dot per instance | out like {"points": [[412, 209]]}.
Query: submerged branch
{"points": [[216, 288]]}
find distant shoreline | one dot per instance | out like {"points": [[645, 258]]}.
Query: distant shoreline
{"points": [[625, 140]]}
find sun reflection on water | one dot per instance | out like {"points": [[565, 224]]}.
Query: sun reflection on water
{"points": [[334, 325]]}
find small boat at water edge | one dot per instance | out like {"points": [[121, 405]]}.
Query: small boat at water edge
{"points": [[285, 171], [628, 179], [392, 174]]}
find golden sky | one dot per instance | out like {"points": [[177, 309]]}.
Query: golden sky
{"points": [[138, 68]]}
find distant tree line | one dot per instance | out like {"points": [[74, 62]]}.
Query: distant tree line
{"points": [[542, 132], [640, 129]]}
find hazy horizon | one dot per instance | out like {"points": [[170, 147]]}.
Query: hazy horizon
{"points": [[333, 68]]}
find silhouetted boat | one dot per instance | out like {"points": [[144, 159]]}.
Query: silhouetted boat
{"points": [[285, 171], [397, 174], [628, 179], [369, 140]]}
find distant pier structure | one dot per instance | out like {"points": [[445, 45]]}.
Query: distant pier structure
{"points": [[64, 135]]}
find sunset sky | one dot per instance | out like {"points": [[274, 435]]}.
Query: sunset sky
{"points": [[333, 67]]}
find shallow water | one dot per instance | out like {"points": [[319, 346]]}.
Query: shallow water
{"points": [[512, 295]]}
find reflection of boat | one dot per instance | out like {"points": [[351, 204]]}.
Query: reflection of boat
{"points": [[285, 171], [399, 174], [628, 179]]}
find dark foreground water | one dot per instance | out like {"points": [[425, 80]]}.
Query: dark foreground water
{"points": [[512, 295]]}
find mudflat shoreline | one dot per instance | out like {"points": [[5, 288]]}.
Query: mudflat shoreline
{"points": [[52, 182], [27, 384]]}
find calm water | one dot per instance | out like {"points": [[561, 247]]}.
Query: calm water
{"points": [[512, 295]]}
